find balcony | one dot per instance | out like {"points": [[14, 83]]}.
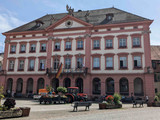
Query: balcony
{"points": [[72, 71], [2, 72]]}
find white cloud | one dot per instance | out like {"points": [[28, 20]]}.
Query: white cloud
{"points": [[8, 21]]}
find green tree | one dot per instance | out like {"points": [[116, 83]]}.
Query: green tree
{"points": [[1, 94]]}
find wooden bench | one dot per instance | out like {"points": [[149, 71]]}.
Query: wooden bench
{"points": [[140, 102], [80, 104]]}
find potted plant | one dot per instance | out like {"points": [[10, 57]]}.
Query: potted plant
{"points": [[61, 90], [9, 103], [1, 94]]}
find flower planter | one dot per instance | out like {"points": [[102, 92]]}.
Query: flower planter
{"points": [[10, 114], [102, 105], [149, 104], [25, 111], [114, 106]]}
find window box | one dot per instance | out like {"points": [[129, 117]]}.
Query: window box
{"points": [[22, 51], [123, 68], [109, 68], [12, 52], [32, 51], [136, 67], [79, 48], [96, 48], [68, 49], [109, 47], [11, 70], [122, 46], [136, 46], [56, 49], [30, 69], [42, 50], [41, 69], [20, 69], [96, 68]]}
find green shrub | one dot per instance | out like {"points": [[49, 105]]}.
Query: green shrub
{"points": [[156, 98], [62, 89], [117, 97], [158, 95], [50, 89]]}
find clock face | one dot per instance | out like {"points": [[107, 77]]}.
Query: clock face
{"points": [[69, 23]]}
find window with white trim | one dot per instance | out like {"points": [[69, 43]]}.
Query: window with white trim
{"points": [[56, 64], [109, 43], [136, 42], [31, 64], [96, 62], [109, 62], [68, 63], [68, 45], [43, 47], [123, 62], [80, 44], [23, 48], [13, 48], [42, 64], [137, 61], [122, 42], [21, 64], [96, 44], [33, 48], [11, 65], [57, 46], [79, 62]]}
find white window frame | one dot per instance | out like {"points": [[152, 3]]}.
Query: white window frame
{"points": [[96, 62]]}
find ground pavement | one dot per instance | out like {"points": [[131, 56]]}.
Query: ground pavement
{"points": [[64, 111]]}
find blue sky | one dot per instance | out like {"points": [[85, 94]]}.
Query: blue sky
{"points": [[14, 13]]}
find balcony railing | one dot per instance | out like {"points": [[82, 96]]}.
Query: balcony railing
{"points": [[2, 72], [52, 71]]}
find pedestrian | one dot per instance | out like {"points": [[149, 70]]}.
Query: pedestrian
{"points": [[8, 93], [12, 93], [132, 97], [147, 98]]}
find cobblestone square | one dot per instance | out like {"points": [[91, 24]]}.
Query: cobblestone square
{"points": [[64, 111]]}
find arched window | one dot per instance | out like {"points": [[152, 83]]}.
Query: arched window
{"points": [[109, 86], [67, 82], [40, 84], [124, 88], [55, 84], [10, 84], [19, 85], [138, 87], [96, 86], [79, 84], [29, 86]]}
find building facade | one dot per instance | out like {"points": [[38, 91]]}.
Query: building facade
{"points": [[102, 51], [1, 61], [155, 56]]}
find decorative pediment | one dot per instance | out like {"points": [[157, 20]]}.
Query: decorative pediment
{"points": [[68, 22]]}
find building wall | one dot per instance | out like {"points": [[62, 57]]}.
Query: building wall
{"points": [[87, 34]]}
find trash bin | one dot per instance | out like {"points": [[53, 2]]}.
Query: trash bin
{"points": [[25, 111]]}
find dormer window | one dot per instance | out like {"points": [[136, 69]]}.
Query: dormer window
{"points": [[39, 23], [109, 16]]}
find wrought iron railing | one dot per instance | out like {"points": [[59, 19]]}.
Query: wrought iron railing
{"points": [[2, 72], [66, 71]]}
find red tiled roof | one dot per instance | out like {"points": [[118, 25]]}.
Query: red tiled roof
{"points": [[155, 52]]}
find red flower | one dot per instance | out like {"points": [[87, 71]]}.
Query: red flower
{"points": [[109, 98]]}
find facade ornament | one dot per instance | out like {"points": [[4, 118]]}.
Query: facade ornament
{"points": [[87, 35], [146, 31], [70, 10], [7, 41], [87, 15], [50, 37]]}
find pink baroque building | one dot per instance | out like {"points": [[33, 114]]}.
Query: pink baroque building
{"points": [[102, 51]]}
